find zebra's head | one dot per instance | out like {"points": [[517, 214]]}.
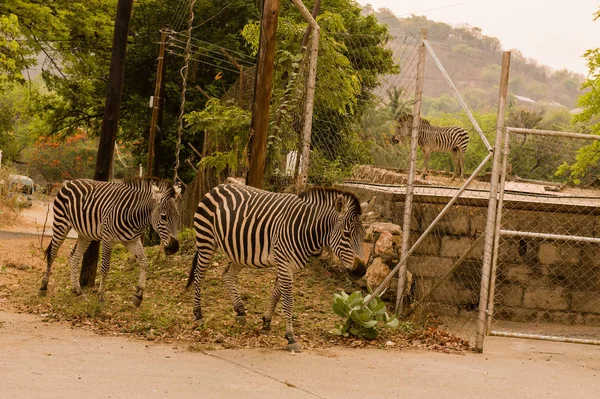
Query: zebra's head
{"points": [[346, 239], [404, 128], [165, 216]]}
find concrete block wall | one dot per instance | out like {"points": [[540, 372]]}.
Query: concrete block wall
{"points": [[538, 281]]}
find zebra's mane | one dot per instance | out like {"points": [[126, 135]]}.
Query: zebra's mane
{"points": [[330, 194], [166, 186], [425, 122]]}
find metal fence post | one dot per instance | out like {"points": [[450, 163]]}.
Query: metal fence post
{"points": [[408, 201], [492, 205]]}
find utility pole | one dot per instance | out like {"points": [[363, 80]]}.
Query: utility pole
{"points": [[108, 131], [262, 93], [157, 101]]}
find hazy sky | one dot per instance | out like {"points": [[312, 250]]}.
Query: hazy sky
{"points": [[554, 32]]}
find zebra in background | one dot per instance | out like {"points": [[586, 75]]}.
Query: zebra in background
{"points": [[257, 228], [452, 139], [112, 213]]}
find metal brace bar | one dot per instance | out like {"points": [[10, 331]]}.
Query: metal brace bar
{"points": [[460, 99]]}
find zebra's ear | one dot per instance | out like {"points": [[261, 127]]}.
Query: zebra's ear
{"points": [[156, 193], [340, 204], [366, 206]]}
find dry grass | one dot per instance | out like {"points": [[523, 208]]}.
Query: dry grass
{"points": [[166, 313], [9, 213]]}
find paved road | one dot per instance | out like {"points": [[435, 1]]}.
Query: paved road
{"points": [[52, 360]]}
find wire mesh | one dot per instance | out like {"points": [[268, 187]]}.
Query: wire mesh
{"points": [[444, 271], [359, 134], [548, 268]]}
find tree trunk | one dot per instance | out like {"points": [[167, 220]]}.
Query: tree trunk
{"points": [[262, 94], [108, 132]]}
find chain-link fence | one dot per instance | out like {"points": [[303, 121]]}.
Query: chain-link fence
{"points": [[443, 217], [548, 264]]}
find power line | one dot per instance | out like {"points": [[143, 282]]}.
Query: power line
{"points": [[241, 61], [218, 12], [253, 59], [431, 9]]}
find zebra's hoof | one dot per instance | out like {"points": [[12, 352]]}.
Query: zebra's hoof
{"points": [[241, 320], [264, 331], [136, 301], [198, 324], [81, 297], [42, 293], [294, 347]]}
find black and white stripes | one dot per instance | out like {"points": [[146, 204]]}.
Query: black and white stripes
{"points": [[112, 213], [452, 139], [257, 228]]}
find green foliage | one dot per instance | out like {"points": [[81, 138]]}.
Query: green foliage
{"points": [[361, 320], [21, 118], [228, 128], [586, 167], [12, 55]]}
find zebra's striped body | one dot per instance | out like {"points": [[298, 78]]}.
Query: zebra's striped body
{"points": [[452, 139], [257, 228], [112, 213]]}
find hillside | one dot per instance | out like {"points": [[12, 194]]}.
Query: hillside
{"points": [[473, 59]]}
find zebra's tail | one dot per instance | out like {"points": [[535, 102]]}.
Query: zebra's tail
{"points": [[48, 251], [192, 272]]}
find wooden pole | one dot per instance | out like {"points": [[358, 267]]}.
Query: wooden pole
{"points": [[310, 95], [305, 37], [408, 202], [156, 104], [490, 226], [108, 131], [262, 94]]}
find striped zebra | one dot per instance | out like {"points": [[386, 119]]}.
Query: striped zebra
{"points": [[452, 139], [257, 228], [112, 213]]}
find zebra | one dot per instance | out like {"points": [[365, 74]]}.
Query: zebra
{"points": [[453, 139], [112, 212], [257, 228]]}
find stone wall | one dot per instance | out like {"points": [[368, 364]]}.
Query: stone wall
{"points": [[537, 280]]}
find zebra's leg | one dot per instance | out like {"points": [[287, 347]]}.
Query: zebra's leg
{"points": [[59, 234], [230, 279], [426, 155], [285, 282], [461, 164], [75, 263], [455, 162], [204, 255], [275, 296], [137, 248], [107, 247]]}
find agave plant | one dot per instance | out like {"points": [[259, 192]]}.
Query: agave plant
{"points": [[361, 319]]}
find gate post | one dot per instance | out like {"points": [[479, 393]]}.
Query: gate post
{"points": [[492, 206], [408, 199]]}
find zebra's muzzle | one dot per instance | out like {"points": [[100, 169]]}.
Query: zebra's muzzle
{"points": [[359, 269], [172, 247]]}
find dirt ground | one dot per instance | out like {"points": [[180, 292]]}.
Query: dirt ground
{"points": [[42, 358], [52, 360]]}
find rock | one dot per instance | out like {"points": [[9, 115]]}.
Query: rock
{"points": [[376, 273], [380, 227], [385, 244], [234, 180]]}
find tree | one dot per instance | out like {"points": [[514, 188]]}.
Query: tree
{"points": [[352, 57], [586, 168], [108, 131]]}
